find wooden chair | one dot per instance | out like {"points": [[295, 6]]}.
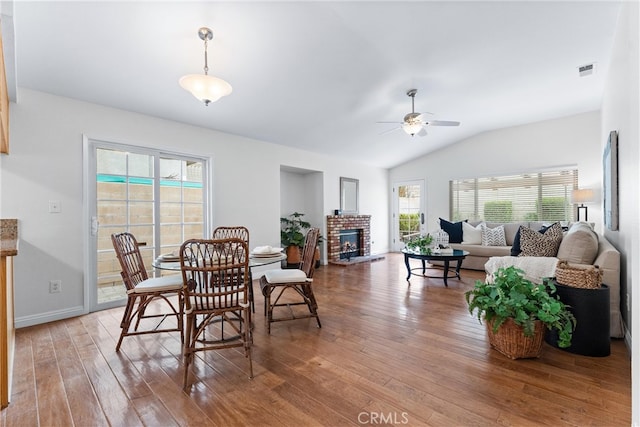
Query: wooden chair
{"points": [[215, 287], [238, 232], [299, 280], [142, 291]]}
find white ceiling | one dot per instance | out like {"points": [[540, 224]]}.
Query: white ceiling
{"points": [[319, 75]]}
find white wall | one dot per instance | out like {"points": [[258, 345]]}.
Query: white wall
{"points": [[621, 112], [567, 141], [46, 164]]}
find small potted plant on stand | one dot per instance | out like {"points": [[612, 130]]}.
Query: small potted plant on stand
{"points": [[292, 235], [517, 312]]}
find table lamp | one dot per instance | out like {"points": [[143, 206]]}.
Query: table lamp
{"points": [[582, 196]]}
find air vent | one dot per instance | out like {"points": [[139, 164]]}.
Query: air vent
{"points": [[587, 69]]}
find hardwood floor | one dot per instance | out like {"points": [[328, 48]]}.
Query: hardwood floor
{"points": [[388, 353]]}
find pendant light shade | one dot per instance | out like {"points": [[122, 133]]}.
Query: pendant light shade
{"points": [[204, 87]]}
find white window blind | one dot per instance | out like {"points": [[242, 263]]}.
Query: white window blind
{"points": [[541, 196]]}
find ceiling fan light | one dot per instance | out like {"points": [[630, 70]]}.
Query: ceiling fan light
{"points": [[205, 88], [411, 128]]}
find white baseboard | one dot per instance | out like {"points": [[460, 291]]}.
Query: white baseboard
{"points": [[50, 316]]}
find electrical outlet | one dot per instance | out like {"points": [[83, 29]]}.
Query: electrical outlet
{"points": [[55, 286]]}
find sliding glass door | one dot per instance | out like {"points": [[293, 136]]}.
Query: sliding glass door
{"points": [[159, 197]]}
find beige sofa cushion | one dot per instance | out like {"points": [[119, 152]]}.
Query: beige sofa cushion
{"points": [[579, 245]]}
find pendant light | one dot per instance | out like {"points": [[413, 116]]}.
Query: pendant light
{"points": [[204, 87]]}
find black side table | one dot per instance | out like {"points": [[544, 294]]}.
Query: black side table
{"points": [[591, 310]]}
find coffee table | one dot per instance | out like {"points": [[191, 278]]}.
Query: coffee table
{"points": [[457, 255]]}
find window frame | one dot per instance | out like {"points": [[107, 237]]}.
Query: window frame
{"points": [[521, 184]]}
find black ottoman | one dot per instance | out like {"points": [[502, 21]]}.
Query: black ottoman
{"points": [[591, 310]]}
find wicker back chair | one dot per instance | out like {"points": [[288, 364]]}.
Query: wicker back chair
{"points": [[232, 232], [299, 280], [237, 232], [142, 291], [215, 279]]}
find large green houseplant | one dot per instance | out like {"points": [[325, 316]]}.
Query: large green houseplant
{"points": [[510, 298], [292, 234]]}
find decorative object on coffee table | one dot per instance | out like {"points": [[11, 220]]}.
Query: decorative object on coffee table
{"points": [[516, 311], [421, 243]]}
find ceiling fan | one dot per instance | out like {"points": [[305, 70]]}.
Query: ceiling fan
{"points": [[415, 123]]}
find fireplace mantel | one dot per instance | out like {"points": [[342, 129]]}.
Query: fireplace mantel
{"points": [[336, 223]]}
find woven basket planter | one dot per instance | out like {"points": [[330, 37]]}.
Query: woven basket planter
{"points": [[511, 341]]}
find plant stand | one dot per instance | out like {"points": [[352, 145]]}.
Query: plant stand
{"points": [[591, 310]]}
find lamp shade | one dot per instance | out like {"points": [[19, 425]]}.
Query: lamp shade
{"points": [[584, 195], [205, 88]]}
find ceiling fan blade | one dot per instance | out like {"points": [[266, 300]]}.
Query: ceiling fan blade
{"points": [[423, 132], [389, 130], [425, 113], [442, 123]]}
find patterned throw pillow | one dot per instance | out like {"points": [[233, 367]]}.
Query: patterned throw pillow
{"points": [[533, 243], [493, 236], [515, 249]]}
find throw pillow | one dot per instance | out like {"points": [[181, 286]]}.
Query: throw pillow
{"points": [[534, 243], [493, 236], [515, 249], [579, 245], [471, 235], [453, 229]]}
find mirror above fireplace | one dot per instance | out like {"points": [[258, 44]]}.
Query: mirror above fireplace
{"points": [[349, 196]]}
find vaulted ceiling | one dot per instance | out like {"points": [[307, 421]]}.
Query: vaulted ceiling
{"points": [[319, 75]]}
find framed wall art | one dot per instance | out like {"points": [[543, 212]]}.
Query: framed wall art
{"points": [[349, 196], [610, 181]]}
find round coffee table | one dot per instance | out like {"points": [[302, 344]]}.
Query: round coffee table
{"points": [[457, 255]]}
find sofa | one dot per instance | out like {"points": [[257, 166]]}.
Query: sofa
{"points": [[579, 244]]}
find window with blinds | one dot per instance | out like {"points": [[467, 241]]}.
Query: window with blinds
{"points": [[541, 196]]}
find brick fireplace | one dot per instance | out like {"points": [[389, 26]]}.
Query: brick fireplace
{"points": [[338, 223]]}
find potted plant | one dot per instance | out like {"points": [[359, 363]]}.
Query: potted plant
{"points": [[421, 244], [517, 312], [292, 235]]}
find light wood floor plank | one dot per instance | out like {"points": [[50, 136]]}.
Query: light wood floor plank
{"points": [[85, 408], [389, 353], [53, 406]]}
